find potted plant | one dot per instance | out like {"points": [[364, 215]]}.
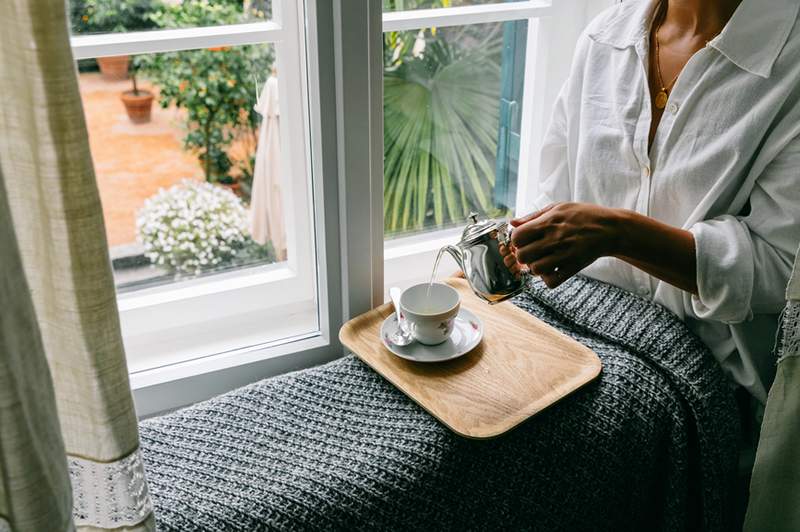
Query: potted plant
{"points": [[110, 16], [138, 102], [114, 68]]}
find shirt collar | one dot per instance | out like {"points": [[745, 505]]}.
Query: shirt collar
{"points": [[752, 39], [628, 27]]}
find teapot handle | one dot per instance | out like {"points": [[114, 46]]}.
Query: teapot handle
{"points": [[504, 234]]}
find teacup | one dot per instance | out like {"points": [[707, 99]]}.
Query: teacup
{"points": [[430, 320]]}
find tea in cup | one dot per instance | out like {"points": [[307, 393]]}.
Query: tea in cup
{"points": [[429, 311]]}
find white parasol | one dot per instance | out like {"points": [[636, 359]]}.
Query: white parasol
{"points": [[266, 209]]}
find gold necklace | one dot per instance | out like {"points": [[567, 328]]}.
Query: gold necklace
{"points": [[663, 95]]}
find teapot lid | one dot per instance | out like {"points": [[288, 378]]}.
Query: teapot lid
{"points": [[477, 229]]}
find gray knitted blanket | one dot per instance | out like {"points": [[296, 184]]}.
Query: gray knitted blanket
{"points": [[649, 445]]}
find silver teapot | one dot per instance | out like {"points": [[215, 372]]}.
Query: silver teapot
{"points": [[478, 255]]}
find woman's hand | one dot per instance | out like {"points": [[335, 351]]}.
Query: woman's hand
{"points": [[509, 254], [563, 238]]}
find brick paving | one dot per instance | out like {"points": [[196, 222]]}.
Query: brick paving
{"points": [[132, 161]]}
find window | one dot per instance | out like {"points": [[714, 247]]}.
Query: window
{"points": [[449, 96], [467, 91], [198, 118], [443, 95], [408, 5]]}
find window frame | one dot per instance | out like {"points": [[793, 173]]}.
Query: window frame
{"points": [[343, 50], [549, 48], [296, 53]]}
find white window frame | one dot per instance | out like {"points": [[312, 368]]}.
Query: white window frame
{"points": [[345, 108], [553, 29], [276, 289]]}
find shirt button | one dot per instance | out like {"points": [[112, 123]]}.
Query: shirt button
{"points": [[673, 108], [646, 171]]}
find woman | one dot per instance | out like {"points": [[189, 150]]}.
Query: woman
{"points": [[672, 168]]}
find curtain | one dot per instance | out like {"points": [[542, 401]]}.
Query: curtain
{"points": [[775, 485], [69, 445]]}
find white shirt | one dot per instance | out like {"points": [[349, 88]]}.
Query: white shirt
{"points": [[724, 164]]}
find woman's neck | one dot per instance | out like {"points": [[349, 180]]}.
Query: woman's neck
{"points": [[698, 18]]}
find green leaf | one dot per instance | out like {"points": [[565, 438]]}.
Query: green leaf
{"points": [[441, 116]]}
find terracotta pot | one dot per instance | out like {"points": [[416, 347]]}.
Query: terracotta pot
{"points": [[138, 105], [114, 68]]}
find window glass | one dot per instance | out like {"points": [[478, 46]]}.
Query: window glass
{"points": [[116, 16], [452, 105], [175, 141], [405, 5]]}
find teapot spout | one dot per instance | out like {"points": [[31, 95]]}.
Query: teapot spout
{"points": [[455, 252]]}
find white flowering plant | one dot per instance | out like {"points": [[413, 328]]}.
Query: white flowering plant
{"points": [[194, 227]]}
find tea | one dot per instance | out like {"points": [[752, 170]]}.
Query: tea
{"points": [[433, 278]]}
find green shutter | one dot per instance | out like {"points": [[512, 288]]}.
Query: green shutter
{"points": [[512, 79]]}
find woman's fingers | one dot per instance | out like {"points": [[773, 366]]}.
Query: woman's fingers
{"points": [[510, 259], [537, 250], [528, 233], [512, 265], [516, 222], [548, 263], [556, 277]]}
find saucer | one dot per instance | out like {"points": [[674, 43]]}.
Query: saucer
{"points": [[467, 333]]}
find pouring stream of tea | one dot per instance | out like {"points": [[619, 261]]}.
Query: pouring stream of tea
{"points": [[433, 278]]}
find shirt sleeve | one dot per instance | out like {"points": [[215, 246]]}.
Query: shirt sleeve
{"points": [[554, 182], [554, 178], [744, 262]]}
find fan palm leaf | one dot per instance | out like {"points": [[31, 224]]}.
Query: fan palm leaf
{"points": [[441, 112]]}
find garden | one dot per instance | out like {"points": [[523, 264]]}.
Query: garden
{"points": [[441, 122]]}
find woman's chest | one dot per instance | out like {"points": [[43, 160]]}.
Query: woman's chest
{"points": [[711, 129]]}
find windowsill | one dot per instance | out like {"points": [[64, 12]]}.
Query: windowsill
{"points": [[214, 284], [203, 325], [408, 260], [421, 243], [284, 346]]}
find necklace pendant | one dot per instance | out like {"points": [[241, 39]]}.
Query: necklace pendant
{"points": [[661, 99]]}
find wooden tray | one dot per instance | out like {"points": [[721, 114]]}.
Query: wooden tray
{"points": [[521, 366]]}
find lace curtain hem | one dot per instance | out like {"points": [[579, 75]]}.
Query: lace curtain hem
{"points": [[789, 341], [109, 494]]}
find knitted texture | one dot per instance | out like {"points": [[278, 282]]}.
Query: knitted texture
{"points": [[649, 445]]}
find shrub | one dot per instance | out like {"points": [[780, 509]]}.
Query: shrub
{"points": [[101, 16], [216, 86], [195, 226]]}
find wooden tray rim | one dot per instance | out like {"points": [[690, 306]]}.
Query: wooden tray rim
{"points": [[591, 370]]}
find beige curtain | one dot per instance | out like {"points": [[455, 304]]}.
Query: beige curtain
{"points": [[775, 486], [69, 446]]}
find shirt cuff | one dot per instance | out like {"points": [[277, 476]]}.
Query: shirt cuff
{"points": [[724, 255]]}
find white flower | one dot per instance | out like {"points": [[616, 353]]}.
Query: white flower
{"points": [[191, 225]]}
